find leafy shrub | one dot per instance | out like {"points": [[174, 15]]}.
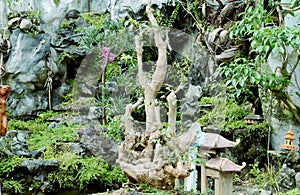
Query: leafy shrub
{"points": [[230, 118], [77, 171], [7, 166]]}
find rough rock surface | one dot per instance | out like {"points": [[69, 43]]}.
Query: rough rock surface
{"points": [[52, 13], [37, 79], [98, 145], [297, 178], [26, 73]]}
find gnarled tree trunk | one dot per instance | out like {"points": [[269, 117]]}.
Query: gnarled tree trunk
{"points": [[155, 156]]}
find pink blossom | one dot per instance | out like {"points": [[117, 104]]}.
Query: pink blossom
{"points": [[105, 50], [106, 55], [111, 57]]}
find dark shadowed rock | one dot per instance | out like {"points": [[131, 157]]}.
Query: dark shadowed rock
{"points": [[98, 144], [34, 166]]}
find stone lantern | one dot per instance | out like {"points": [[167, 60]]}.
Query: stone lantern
{"points": [[289, 138], [222, 170], [253, 119], [209, 145]]}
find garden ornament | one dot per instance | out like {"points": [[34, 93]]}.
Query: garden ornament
{"points": [[289, 138], [4, 90]]}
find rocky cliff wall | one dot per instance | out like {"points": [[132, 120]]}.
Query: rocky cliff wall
{"points": [[32, 66]]}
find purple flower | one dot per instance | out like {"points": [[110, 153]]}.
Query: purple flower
{"points": [[106, 55], [111, 57], [105, 51]]}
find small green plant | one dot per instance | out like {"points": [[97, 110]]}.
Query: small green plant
{"points": [[77, 171], [16, 187], [34, 16], [7, 166], [215, 116], [29, 125], [229, 115], [264, 179], [239, 75], [255, 175], [64, 57], [291, 192], [52, 136], [114, 129], [56, 2], [74, 172], [264, 37]]}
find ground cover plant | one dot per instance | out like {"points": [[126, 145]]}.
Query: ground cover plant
{"points": [[74, 172]]}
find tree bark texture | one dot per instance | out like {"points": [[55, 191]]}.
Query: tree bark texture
{"points": [[156, 156]]}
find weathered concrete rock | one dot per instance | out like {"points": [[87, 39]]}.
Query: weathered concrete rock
{"points": [[26, 72], [14, 143], [286, 178], [99, 145], [52, 13], [240, 190], [297, 179], [25, 24], [34, 166]]}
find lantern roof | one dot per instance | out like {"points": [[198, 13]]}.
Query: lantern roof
{"points": [[216, 141], [290, 134], [224, 165]]}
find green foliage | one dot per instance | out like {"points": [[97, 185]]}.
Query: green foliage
{"points": [[41, 135], [51, 136], [44, 116], [166, 19], [239, 74], [101, 31], [253, 19], [97, 21], [65, 57], [14, 186], [146, 189], [26, 125], [7, 165], [76, 171], [56, 2], [114, 130], [215, 116], [229, 116], [264, 179], [291, 192], [10, 2], [182, 70], [36, 125], [262, 35], [34, 16], [266, 40], [242, 73], [70, 97]]}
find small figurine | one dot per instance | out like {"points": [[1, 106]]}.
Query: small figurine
{"points": [[289, 138], [4, 90]]}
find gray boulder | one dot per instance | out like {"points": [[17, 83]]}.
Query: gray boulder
{"points": [[26, 73], [297, 178], [25, 24], [98, 144]]}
